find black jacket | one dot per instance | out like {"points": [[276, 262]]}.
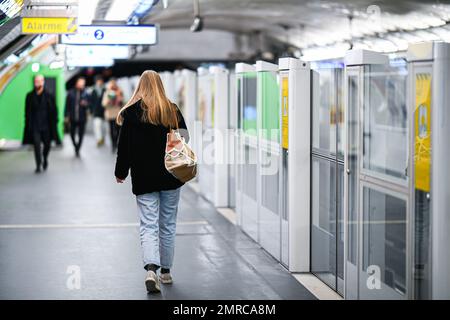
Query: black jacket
{"points": [[71, 106], [97, 108], [141, 148], [31, 109]]}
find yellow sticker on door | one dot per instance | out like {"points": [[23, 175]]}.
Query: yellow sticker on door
{"points": [[285, 113], [422, 132]]}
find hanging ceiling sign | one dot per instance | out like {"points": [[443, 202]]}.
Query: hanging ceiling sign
{"points": [[89, 63], [90, 52], [49, 25], [49, 17], [113, 35]]}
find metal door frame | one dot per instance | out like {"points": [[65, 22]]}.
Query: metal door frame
{"points": [[350, 72], [414, 68], [283, 199], [366, 177], [239, 145]]}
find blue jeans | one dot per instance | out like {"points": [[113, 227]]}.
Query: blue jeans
{"points": [[158, 215]]}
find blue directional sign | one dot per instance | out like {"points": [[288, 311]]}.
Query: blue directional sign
{"points": [[99, 34], [113, 34]]}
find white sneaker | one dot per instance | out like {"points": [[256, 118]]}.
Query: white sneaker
{"points": [[165, 278], [152, 282]]}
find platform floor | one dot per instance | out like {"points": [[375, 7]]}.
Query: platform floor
{"points": [[74, 217]]}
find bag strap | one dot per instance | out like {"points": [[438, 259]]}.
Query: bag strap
{"points": [[171, 131], [174, 111]]}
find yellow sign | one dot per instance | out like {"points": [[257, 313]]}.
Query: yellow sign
{"points": [[49, 25], [422, 124], [285, 112]]}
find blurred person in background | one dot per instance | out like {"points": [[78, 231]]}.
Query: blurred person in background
{"points": [[77, 105], [112, 102], [97, 109], [41, 118]]}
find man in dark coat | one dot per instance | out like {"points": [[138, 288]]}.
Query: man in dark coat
{"points": [[97, 110], [41, 120], [77, 105]]}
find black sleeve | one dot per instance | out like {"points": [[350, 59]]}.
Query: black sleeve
{"points": [[66, 108], [87, 97], [53, 109], [54, 118], [123, 151], [182, 128], [92, 97], [28, 111]]}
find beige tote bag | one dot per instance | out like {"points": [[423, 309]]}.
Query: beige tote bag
{"points": [[180, 160]]}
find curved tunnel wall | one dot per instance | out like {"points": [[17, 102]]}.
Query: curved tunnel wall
{"points": [[12, 101]]}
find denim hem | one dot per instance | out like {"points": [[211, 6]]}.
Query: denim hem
{"points": [[151, 262], [166, 267]]}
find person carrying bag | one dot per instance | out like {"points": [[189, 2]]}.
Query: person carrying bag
{"points": [[160, 162]]}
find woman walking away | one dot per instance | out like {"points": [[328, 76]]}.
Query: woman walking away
{"points": [[145, 122], [112, 101]]}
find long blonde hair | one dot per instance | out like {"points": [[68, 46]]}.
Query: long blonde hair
{"points": [[158, 109]]}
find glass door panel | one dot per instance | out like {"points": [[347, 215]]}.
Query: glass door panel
{"points": [[385, 147], [249, 193], [327, 246], [340, 229], [249, 168], [284, 209], [249, 114], [384, 229], [340, 112], [269, 218], [269, 162], [324, 127], [323, 216], [270, 110]]}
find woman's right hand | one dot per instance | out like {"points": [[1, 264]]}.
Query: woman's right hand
{"points": [[118, 180]]}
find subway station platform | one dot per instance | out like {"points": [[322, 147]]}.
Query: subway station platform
{"points": [[75, 217], [322, 148]]}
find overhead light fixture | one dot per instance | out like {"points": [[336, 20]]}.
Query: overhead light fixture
{"points": [[57, 64], [86, 11], [121, 10], [298, 53], [90, 63], [143, 8], [401, 44], [197, 25], [325, 53], [12, 58], [427, 36], [267, 55], [35, 67], [443, 33]]}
